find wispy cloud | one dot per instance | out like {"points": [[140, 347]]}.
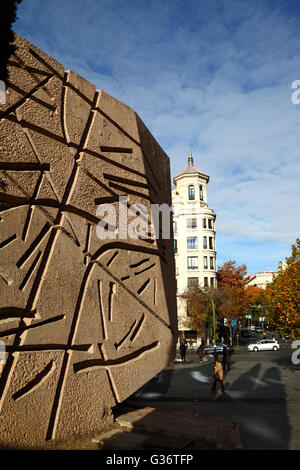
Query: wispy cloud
{"points": [[213, 74]]}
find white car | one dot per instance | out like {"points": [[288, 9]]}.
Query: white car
{"points": [[264, 345]]}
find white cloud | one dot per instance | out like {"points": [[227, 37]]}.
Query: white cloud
{"points": [[215, 75]]}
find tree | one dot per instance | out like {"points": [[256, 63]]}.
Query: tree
{"points": [[198, 309], [282, 300], [231, 299], [238, 299]]}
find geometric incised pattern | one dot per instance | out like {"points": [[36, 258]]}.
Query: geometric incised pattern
{"points": [[85, 321]]}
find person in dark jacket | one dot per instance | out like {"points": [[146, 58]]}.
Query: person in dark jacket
{"points": [[182, 351], [200, 352], [226, 358]]}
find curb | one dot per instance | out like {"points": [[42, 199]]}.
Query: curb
{"points": [[177, 363]]}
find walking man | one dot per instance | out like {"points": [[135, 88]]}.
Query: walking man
{"points": [[218, 376], [200, 352], [226, 358], [182, 351]]}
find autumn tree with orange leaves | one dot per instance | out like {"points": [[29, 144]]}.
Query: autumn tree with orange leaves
{"points": [[238, 299], [198, 307], [282, 296], [232, 298]]}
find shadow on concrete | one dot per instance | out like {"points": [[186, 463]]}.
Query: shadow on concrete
{"points": [[154, 390], [256, 400], [285, 362], [158, 175], [258, 404]]}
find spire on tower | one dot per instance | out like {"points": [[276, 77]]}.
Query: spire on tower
{"points": [[190, 159]]}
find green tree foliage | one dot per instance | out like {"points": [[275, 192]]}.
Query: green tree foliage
{"points": [[282, 296]]}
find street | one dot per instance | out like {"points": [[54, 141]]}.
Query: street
{"points": [[262, 394]]}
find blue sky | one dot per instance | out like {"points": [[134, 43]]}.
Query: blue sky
{"points": [[214, 75]]}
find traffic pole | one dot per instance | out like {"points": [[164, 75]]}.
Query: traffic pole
{"points": [[214, 320]]}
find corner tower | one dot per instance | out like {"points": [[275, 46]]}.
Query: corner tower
{"points": [[194, 237]]}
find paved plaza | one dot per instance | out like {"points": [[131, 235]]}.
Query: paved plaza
{"points": [[262, 394]]}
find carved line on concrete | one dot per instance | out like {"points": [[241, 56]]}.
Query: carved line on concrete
{"points": [[36, 258]]}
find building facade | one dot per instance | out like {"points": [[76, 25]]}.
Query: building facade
{"points": [[194, 237], [261, 279]]}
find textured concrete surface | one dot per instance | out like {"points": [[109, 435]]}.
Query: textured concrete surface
{"points": [[216, 433], [85, 321]]}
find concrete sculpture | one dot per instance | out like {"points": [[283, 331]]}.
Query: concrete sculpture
{"points": [[85, 321]]}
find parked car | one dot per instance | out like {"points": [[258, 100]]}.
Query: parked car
{"points": [[252, 327], [264, 345], [245, 333], [217, 348], [258, 329]]}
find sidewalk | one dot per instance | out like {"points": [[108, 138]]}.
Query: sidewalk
{"points": [[138, 426], [177, 411], [172, 429], [192, 360]]}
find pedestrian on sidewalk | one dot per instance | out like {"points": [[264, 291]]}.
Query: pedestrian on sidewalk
{"points": [[218, 376], [200, 352], [182, 348], [226, 358]]}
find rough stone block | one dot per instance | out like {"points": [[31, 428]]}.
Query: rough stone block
{"points": [[86, 321]]}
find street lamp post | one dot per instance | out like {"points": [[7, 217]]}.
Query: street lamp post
{"points": [[214, 320]]}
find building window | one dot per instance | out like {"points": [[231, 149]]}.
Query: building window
{"points": [[205, 265], [174, 226], [191, 223], [192, 243], [211, 246], [212, 282], [204, 243], [191, 193], [192, 262], [211, 262], [175, 246], [206, 282], [193, 281], [210, 223], [201, 193], [204, 223]]}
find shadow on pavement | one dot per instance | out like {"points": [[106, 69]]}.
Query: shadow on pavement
{"points": [[256, 399]]}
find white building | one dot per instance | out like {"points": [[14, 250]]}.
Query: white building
{"points": [[261, 279], [194, 237]]}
